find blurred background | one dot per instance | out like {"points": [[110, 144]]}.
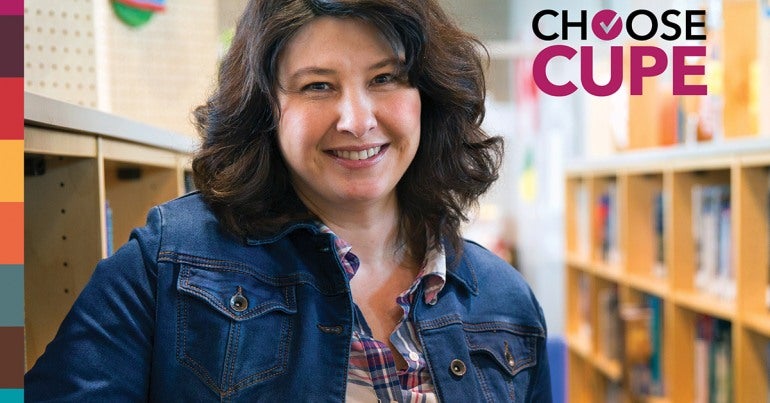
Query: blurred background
{"points": [[155, 64]]}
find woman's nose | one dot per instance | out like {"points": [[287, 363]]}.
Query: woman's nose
{"points": [[356, 114]]}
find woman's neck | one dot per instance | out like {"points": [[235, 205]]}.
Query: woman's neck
{"points": [[372, 230]]}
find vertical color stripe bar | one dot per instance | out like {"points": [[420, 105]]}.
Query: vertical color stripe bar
{"points": [[12, 300], [12, 363], [11, 108], [11, 200]]}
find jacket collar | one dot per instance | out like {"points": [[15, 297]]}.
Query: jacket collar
{"points": [[459, 266], [264, 239]]}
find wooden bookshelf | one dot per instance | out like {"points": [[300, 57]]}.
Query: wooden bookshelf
{"points": [[741, 166], [76, 160]]}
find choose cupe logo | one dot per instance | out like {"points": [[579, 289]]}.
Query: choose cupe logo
{"points": [[607, 25]]}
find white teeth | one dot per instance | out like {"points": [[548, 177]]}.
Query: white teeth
{"points": [[358, 155]]}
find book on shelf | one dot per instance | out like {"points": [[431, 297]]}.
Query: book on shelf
{"points": [[609, 326], [584, 307], [189, 182], [637, 348], [655, 305], [613, 392], [108, 226], [644, 346], [714, 272], [582, 221], [606, 225], [659, 265], [713, 377]]}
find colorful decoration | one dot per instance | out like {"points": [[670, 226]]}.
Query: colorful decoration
{"points": [[136, 13]]}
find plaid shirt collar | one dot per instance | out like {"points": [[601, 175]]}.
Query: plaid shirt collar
{"points": [[433, 272]]}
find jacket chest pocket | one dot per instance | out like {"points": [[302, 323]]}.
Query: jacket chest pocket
{"points": [[233, 329], [502, 359]]}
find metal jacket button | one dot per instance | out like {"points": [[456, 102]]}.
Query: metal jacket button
{"points": [[238, 302], [509, 356], [457, 367]]}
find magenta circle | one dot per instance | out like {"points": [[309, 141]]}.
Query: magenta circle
{"points": [[607, 25]]}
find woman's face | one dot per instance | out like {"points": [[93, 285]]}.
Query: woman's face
{"points": [[350, 125]]}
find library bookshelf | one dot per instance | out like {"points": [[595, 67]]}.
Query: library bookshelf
{"points": [[665, 293], [90, 177]]}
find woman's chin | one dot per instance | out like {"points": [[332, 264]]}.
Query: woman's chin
{"points": [[363, 196]]}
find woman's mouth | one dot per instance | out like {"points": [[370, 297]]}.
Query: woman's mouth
{"points": [[357, 155]]}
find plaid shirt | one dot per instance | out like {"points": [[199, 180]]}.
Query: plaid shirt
{"points": [[372, 373]]}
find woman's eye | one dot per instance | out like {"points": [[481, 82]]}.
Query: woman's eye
{"points": [[383, 79], [317, 87]]}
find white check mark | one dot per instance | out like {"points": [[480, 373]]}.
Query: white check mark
{"points": [[607, 27]]}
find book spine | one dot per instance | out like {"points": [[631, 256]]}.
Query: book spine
{"points": [[584, 306], [609, 323], [701, 359], [109, 228], [726, 277], [712, 228], [656, 340], [659, 266], [583, 214]]}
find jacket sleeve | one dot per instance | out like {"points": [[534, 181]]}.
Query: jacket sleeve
{"points": [[103, 349]]}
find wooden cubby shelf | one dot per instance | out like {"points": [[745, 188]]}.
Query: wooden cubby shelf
{"points": [[689, 276], [90, 177]]}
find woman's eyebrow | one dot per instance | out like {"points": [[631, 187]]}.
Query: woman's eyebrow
{"points": [[322, 71], [389, 61], [311, 70]]}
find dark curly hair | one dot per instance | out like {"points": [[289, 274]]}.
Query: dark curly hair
{"points": [[241, 173]]}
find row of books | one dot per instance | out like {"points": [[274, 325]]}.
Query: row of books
{"points": [[633, 334], [711, 231], [604, 225], [711, 226], [643, 356]]}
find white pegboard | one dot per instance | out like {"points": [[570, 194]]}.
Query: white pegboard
{"points": [[59, 54], [160, 71], [79, 52]]}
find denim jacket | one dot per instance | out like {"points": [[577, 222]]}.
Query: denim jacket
{"points": [[186, 313]]}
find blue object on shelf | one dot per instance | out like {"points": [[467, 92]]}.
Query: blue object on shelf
{"points": [[557, 360]]}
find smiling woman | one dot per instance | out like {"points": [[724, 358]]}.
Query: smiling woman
{"points": [[322, 258], [349, 121]]}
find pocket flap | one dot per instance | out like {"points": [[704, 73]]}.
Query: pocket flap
{"points": [[511, 351], [217, 287]]}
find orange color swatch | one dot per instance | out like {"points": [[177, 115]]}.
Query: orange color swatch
{"points": [[12, 233], [11, 171]]}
